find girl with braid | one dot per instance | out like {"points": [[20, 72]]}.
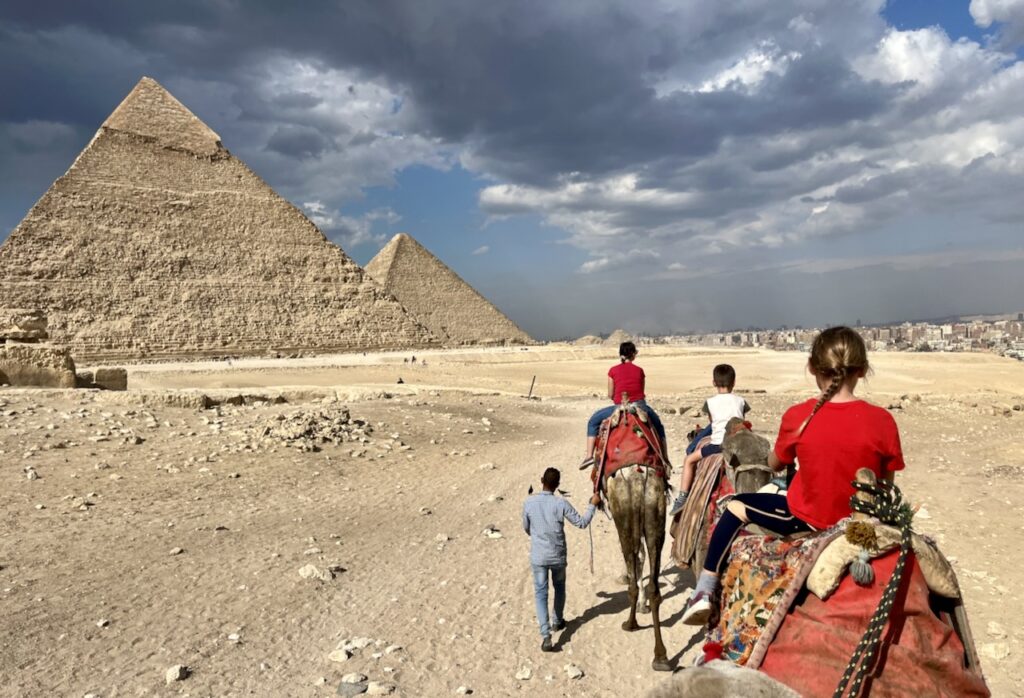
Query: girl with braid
{"points": [[831, 437]]}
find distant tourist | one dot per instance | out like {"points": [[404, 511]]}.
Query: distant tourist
{"points": [[833, 436], [544, 515], [719, 408], [624, 378]]}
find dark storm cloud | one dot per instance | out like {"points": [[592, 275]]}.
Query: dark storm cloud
{"points": [[298, 142]]}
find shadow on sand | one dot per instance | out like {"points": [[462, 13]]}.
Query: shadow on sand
{"points": [[615, 603]]}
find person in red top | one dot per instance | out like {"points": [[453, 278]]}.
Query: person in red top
{"points": [[831, 437], [624, 378]]}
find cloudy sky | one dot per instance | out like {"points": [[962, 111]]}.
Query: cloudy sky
{"points": [[658, 165]]}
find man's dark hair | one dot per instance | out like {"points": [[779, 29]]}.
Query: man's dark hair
{"points": [[724, 376], [551, 478]]}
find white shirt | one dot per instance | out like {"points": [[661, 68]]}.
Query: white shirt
{"points": [[721, 408]]}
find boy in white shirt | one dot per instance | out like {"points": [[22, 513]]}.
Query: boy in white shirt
{"points": [[719, 408]]}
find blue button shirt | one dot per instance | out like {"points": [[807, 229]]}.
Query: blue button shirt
{"points": [[543, 516]]}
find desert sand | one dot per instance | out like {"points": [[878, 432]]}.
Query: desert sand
{"points": [[155, 533]]}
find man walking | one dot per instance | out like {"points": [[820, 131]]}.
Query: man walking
{"points": [[543, 517]]}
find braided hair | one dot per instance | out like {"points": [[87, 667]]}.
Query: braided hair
{"points": [[836, 354]]}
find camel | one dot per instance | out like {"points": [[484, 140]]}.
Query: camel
{"points": [[633, 474], [744, 464]]}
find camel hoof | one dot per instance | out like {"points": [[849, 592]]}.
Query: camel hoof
{"points": [[661, 665], [629, 626]]}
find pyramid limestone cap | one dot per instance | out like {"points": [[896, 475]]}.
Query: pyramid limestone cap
{"points": [[153, 113]]}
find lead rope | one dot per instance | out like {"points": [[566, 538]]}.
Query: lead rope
{"points": [[888, 507]]}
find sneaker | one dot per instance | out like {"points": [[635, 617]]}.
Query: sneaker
{"points": [[677, 506], [546, 645], [558, 625], [698, 609], [588, 462]]}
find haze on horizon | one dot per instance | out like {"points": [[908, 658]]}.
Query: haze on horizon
{"points": [[658, 166]]}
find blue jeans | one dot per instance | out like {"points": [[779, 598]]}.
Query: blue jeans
{"points": [[594, 424], [540, 595], [706, 431]]}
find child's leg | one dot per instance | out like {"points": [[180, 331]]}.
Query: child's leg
{"points": [[594, 426], [540, 598], [689, 470], [769, 511]]}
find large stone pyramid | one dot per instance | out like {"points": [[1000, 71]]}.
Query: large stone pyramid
{"points": [[158, 242], [439, 298]]}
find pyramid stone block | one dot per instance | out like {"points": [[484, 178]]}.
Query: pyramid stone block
{"points": [[439, 298], [158, 242]]}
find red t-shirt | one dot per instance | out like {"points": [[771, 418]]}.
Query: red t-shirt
{"points": [[841, 438], [627, 378]]}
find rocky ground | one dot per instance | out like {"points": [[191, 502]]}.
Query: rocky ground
{"points": [[151, 546]]}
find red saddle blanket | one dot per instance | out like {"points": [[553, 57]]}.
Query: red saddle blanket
{"points": [[770, 622], [627, 438]]}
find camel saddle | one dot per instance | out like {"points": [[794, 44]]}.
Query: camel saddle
{"points": [[627, 438]]}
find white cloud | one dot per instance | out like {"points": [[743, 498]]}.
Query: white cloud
{"points": [[1010, 13], [352, 231], [483, 249]]}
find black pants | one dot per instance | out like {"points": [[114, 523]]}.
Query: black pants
{"points": [[769, 511]]}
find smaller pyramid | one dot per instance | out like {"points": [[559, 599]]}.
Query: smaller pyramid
{"points": [[616, 338], [437, 297]]}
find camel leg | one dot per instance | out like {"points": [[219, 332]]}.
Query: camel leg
{"points": [[627, 524], [654, 534]]}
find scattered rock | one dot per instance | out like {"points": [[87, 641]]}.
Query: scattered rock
{"points": [[996, 630], [391, 649], [102, 623], [922, 514], [995, 650], [524, 674], [424, 511], [178, 672], [487, 466], [354, 677], [176, 551], [463, 690], [492, 532], [378, 688], [339, 655], [573, 671], [314, 572], [351, 689]]}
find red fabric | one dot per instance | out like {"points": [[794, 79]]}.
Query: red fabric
{"points": [[630, 442], [627, 378], [921, 654], [841, 438]]}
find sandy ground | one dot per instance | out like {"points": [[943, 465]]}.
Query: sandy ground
{"points": [[158, 535]]}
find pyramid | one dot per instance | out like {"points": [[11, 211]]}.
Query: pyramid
{"points": [[439, 298], [158, 242]]}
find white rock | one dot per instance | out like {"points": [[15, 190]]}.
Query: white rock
{"points": [[995, 650], [391, 649], [176, 551], [361, 642], [463, 690], [234, 637], [102, 623], [922, 514], [487, 466], [573, 671], [442, 538], [424, 511], [314, 572], [354, 677], [378, 688], [996, 630], [178, 672], [339, 655], [524, 674]]}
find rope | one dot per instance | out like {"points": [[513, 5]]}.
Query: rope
{"points": [[888, 507]]}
